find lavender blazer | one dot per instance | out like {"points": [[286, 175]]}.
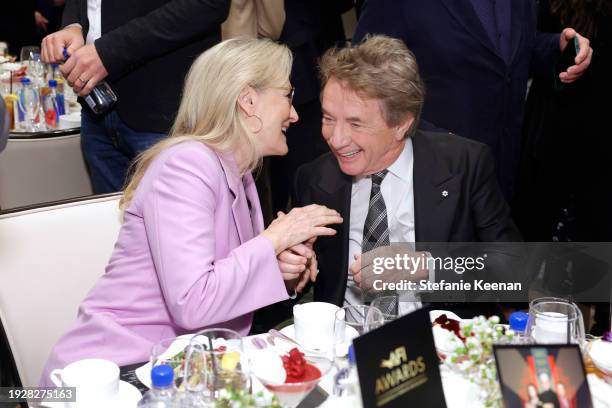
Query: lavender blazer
{"points": [[188, 257]]}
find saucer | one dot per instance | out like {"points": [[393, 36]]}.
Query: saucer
{"points": [[349, 333], [128, 398]]}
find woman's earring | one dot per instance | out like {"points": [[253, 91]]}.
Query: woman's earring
{"points": [[260, 123]]}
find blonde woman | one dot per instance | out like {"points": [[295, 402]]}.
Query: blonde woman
{"points": [[192, 252]]}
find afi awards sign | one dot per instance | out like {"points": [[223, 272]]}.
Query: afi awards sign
{"points": [[398, 365]]}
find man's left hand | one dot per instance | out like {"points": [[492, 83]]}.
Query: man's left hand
{"points": [[582, 60], [84, 69]]}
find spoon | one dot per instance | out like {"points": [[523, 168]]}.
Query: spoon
{"points": [[276, 333]]}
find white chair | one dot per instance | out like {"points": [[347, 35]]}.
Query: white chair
{"points": [[50, 257], [37, 170]]}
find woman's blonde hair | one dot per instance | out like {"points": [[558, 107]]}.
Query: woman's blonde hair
{"points": [[209, 110]]}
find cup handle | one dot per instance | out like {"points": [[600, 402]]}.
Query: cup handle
{"points": [[56, 377]]}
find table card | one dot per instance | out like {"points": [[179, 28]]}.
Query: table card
{"points": [[398, 365]]}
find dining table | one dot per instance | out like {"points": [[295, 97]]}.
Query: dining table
{"points": [[459, 391]]}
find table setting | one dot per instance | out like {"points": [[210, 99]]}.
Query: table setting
{"points": [[313, 362]]}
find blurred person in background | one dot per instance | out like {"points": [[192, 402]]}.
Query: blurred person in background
{"points": [[562, 192], [17, 25], [48, 16], [254, 19], [311, 27], [142, 48], [476, 57]]}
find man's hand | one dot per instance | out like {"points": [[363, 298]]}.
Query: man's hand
{"points": [[583, 59], [53, 45], [41, 21], [412, 267], [84, 69], [298, 265]]}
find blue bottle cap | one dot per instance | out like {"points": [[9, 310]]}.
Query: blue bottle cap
{"points": [[162, 375], [52, 83], [65, 53], [518, 321], [351, 355], [25, 80]]}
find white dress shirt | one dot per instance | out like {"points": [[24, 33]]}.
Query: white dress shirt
{"points": [[94, 15], [398, 192]]}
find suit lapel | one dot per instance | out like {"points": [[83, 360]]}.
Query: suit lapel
{"points": [[436, 193], [516, 29], [464, 13], [240, 210], [334, 191]]}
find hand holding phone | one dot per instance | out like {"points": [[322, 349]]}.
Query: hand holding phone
{"points": [[566, 60]]}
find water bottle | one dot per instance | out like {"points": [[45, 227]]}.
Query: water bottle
{"points": [[51, 106], [346, 383], [101, 98], [518, 324], [161, 394]]}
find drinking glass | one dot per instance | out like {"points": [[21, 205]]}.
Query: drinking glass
{"points": [[27, 53], [353, 321], [388, 305], [29, 103], [555, 320], [171, 351], [215, 364]]}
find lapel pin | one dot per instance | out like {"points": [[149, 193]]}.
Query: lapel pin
{"points": [[444, 193]]}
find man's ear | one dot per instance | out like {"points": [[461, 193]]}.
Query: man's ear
{"points": [[247, 101], [403, 127]]}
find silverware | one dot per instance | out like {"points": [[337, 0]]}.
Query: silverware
{"points": [[276, 333], [259, 343]]}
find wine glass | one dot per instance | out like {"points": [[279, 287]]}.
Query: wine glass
{"points": [[171, 351], [215, 364], [388, 305], [353, 321], [27, 53]]}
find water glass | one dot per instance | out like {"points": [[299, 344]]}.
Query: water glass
{"points": [[555, 321]]}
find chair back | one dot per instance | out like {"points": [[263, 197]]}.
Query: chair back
{"points": [[36, 170], [50, 257]]}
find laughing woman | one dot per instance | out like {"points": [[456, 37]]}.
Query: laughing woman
{"points": [[192, 252]]}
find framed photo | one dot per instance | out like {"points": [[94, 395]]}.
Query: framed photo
{"points": [[542, 376]]}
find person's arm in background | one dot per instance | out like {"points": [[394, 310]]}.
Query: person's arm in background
{"points": [[125, 48], [4, 125], [159, 32], [270, 18], [380, 17], [71, 35], [548, 48]]}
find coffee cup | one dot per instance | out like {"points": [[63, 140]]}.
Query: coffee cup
{"points": [[314, 324], [96, 382]]}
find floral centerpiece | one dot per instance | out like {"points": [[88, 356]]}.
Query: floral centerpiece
{"points": [[468, 349]]}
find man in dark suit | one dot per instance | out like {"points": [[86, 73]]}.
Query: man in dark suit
{"points": [[389, 182], [143, 49], [475, 57]]}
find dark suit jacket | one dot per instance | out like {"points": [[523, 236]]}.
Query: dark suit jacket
{"points": [[473, 210], [147, 47], [471, 90]]}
